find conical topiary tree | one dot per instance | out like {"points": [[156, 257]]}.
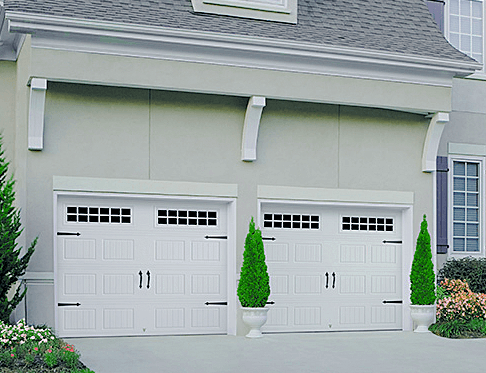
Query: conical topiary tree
{"points": [[12, 265], [422, 277], [254, 285]]}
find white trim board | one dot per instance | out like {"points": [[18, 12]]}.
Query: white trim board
{"points": [[467, 149], [104, 37], [152, 187], [335, 195]]}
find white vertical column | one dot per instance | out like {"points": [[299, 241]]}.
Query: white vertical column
{"points": [[37, 104]]}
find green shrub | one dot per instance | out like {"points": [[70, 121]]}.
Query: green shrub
{"points": [[422, 277], [254, 284], [12, 264], [469, 269], [460, 329]]}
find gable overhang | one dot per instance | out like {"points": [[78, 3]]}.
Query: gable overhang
{"points": [[10, 43], [216, 49]]}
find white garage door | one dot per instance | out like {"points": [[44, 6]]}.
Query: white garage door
{"points": [[135, 266], [332, 268]]}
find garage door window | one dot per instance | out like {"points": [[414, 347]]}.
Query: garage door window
{"points": [[367, 223], [291, 221], [97, 214], [187, 217], [465, 206]]}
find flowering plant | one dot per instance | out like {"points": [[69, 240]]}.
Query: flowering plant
{"points": [[460, 303], [36, 347]]}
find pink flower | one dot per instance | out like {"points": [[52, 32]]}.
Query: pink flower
{"points": [[35, 348]]}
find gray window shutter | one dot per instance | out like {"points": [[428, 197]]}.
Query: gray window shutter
{"points": [[436, 7], [442, 169]]}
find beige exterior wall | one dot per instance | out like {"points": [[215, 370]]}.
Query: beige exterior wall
{"points": [[92, 68], [8, 78], [126, 133]]}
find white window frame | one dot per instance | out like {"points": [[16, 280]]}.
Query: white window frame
{"points": [[480, 74], [450, 210]]}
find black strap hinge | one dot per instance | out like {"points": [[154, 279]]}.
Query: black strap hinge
{"points": [[68, 304], [216, 237], [68, 234], [216, 303], [385, 241], [393, 301]]}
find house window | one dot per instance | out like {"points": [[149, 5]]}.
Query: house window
{"points": [[466, 27], [466, 206], [367, 224]]}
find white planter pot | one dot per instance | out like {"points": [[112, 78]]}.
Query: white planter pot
{"points": [[255, 318], [423, 317]]}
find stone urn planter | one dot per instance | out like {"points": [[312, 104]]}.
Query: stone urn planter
{"points": [[255, 318], [423, 316]]}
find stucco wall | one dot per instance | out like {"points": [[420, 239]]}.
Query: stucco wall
{"points": [[8, 78], [467, 124], [107, 132]]}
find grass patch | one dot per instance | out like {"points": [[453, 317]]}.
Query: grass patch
{"points": [[25, 349], [459, 329]]}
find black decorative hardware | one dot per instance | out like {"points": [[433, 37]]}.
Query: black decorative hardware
{"points": [[68, 304], [68, 234], [216, 303], [385, 241], [392, 301], [271, 302], [148, 280], [327, 280], [443, 170], [140, 274], [269, 238], [333, 279], [216, 237]]}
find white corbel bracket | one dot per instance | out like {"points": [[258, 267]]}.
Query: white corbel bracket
{"points": [[38, 89], [251, 126], [431, 146]]}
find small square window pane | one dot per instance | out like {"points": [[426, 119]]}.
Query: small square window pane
{"points": [[115, 211], [459, 229], [307, 225], [372, 220], [459, 169], [454, 6], [315, 218], [472, 199], [71, 218], [465, 25], [465, 43], [126, 219], [477, 9], [266, 224], [104, 211], [459, 244], [477, 27], [125, 211], [472, 244], [454, 24], [115, 219], [454, 39], [105, 219], [213, 222], [472, 169], [465, 7], [459, 183], [202, 214], [71, 210], [346, 227], [277, 224], [472, 185], [83, 218], [473, 230], [472, 215], [459, 214], [477, 44], [267, 216], [307, 218], [459, 199], [83, 210]]}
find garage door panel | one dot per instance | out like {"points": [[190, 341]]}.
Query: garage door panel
{"points": [[335, 277], [140, 276]]}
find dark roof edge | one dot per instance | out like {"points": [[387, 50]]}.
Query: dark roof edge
{"points": [[31, 23]]}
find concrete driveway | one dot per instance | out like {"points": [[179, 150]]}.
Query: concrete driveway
{"points": [[365, 352]]}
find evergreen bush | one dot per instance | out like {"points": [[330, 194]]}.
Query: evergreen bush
{"points": [[422, 277], [469, 269], [12, 264], [254, 285]]}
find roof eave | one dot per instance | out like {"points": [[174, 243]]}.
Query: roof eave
{"points": [[39, 25]]}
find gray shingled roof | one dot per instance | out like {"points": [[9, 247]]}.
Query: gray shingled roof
{"points": [[397, 26]]}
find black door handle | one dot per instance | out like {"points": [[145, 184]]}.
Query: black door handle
{"points": [[140, 274], [333, 279], [148, 280], [327, 280]]}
